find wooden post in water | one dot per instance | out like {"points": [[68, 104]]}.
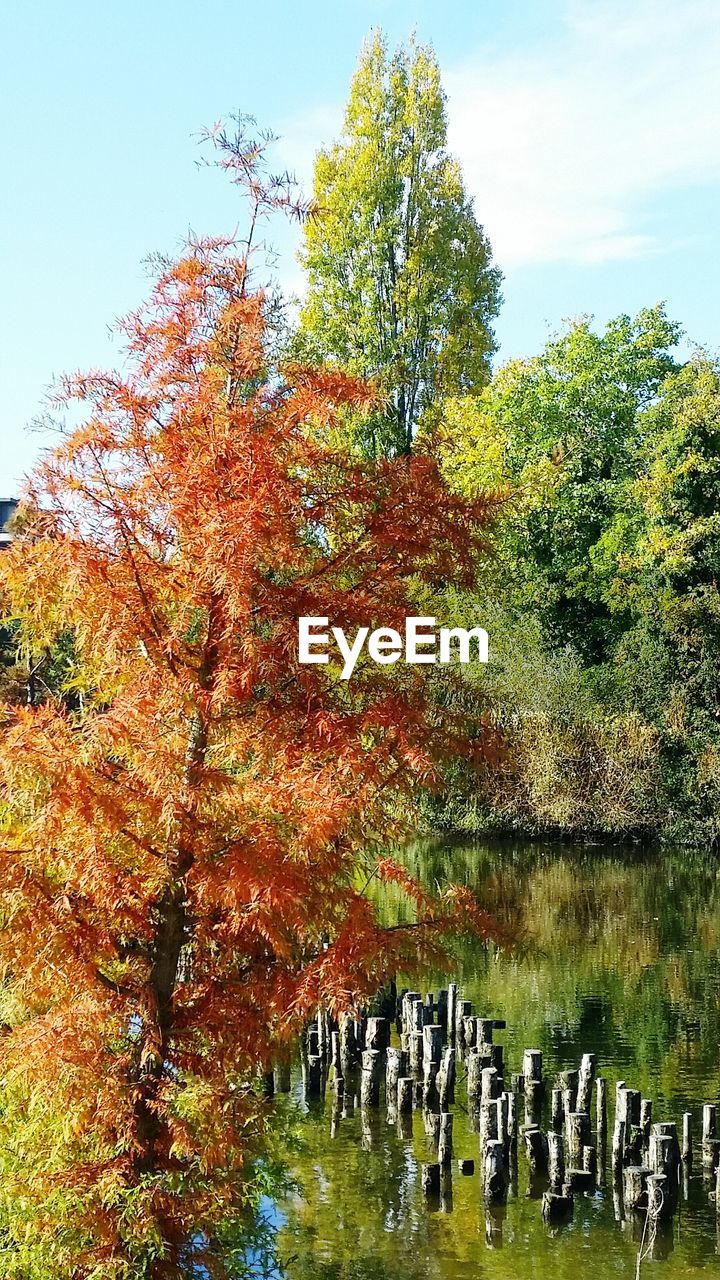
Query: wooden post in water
{"points": [[446, 1081], [556, 1160], [645, 1119], [601, 1107], [512, 1127], [557, 1207], [618, 1147], [586, 1079], [556, 1110], [578, 1136], [442, 1011], [416, 1053], [377, 1034], [348, 1045], [445, 1139], [686, 1152], [405, 1089], [395, 1067], [536, 1146], [634, 1186], [532, 1071], [659, 1201], [709, 1121], [372, 1060], [314, 1076], [494, 1175], [432, 1045], [335, 1054], [568, 1081], [463, 1009], [430, 1093], [451, 1011], [487, 1127], [589, 1160], [490, 1087]]}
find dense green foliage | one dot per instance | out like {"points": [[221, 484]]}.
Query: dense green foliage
{"points": [[605, 588], [400, 286]]}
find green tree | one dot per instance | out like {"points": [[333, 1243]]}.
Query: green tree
{"points": [[562, 431], [659, 563], [401, 286]]}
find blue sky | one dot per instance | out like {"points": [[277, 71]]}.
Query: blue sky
{"points": [[589, 133]]}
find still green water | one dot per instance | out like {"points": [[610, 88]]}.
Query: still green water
{"points": [[619, 954]]}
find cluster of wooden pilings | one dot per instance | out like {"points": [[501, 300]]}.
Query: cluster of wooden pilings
{"points": [[418, 1052]]}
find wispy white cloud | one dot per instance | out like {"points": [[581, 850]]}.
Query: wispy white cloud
{"points": [[569, 147]]}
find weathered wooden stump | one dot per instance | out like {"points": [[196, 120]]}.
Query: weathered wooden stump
{"points": [[567, 1082], [432, 1044], [405, 1088], [579, 1180], [463, 1009], [618, 1147], [451, 1011], [711, 1154], [485, 1028], [431, 1093], [494, 1174], [556, 1160], [557, 1114], [659, 1200], [490, 1084], [578, 1136], [536, 1146], [377, 1034], [446, 1080], [415, 1046], [431, 1122], [372, 1064], [634, 1186], [442, 1010], [645, 1119], [314, 1076], [487, 1127], [517, 1082], [557, 1207], [395, 1067], [512, 1126], [586, 1079], [687, 1151], [532, 1065], [589, 1161], [469, 1033], [445, 1139], [348, 1046], [474, 1070], [601, 1105]]}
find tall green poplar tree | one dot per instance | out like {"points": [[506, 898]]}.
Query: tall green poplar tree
{"points": [[401, 285]]}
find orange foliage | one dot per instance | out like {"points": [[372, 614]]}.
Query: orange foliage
{"points": [[178, 880]]}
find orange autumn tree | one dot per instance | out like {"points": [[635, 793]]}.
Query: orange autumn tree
{"points": [[183, 827]]}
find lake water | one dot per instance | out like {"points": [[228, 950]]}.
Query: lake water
{"points": [[618, 954]]}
